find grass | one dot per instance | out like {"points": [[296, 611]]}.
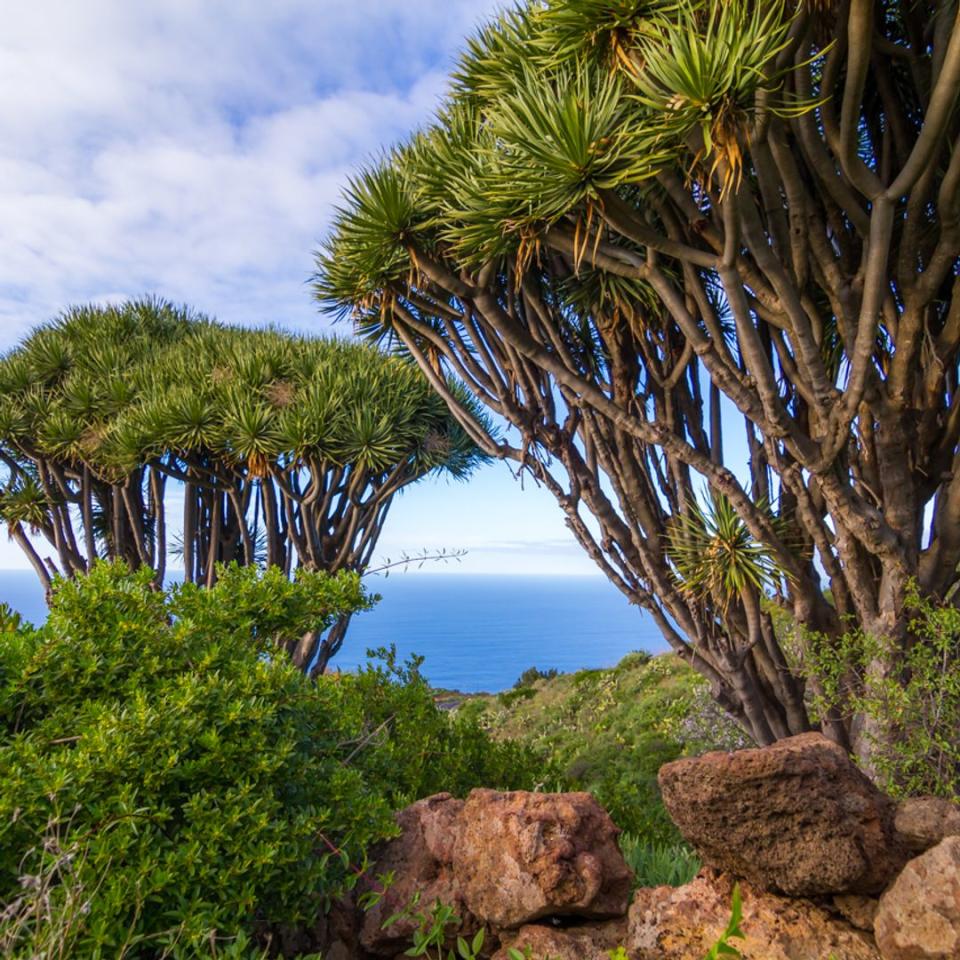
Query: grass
{"points": [[609, 731], [659, 864]]}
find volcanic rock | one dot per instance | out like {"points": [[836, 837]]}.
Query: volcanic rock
{"points": [[523, 856], [421, 860], [922, 822], [797, 817], [683, 923], [919, 915], [588, 941]]}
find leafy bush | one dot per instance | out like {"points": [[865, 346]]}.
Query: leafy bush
{"points": [[421, 749], [509, 697], [171, 784], [910, 701]]}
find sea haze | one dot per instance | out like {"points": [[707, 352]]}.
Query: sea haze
{"points": [[475, 632]]}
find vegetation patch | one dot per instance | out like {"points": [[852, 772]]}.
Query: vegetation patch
{"points": [[170, 784], [609, 732]]}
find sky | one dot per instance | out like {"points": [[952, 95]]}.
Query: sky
{"points": [[195, 149]]}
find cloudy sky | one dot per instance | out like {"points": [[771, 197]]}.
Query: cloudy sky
{"points": [[194, 149]]}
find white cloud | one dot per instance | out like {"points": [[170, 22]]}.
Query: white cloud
{"points": [[194, 150]]}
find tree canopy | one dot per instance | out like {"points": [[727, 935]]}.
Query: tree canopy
{"points": [[287, 450], [663, 238]]}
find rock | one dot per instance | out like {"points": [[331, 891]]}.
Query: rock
{"points": [[683, 923], [499, 860], [796, 817], [919, 916], [523, 856], [421, 859], [922, 822], [588, 941], [857, 910]]}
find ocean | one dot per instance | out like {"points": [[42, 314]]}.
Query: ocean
{"points": [[475, 632]]}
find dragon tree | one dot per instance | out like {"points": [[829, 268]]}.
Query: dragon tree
{"points": [[151, 434], [702, 257]]}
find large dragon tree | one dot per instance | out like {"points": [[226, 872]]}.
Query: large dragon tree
{"points": [[702, 255], [143, 431]]}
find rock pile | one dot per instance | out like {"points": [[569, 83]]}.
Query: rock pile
{"points": [[828, 867]]}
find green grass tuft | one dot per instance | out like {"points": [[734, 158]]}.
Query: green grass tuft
{"points": [[659, 864]]}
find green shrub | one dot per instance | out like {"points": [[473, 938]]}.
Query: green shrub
{"points": [[170, 784], [419, 749], [910, 702], [163, 739], [509, 697], [638, 658]]}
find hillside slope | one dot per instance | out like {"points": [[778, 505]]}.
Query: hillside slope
{"points": [[609, 731]]}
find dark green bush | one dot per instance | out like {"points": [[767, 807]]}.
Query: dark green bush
{"points": [[509, 697], [532, 674], [421, 749], [171, 785]]}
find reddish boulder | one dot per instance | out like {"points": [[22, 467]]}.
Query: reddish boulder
{"points": [[500, 860], [683, 923], [421, 860], [523, 856], [797, 817], [922, 822], [919, 915], [588, 941]]}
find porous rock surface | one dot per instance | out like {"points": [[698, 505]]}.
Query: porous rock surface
{"points": [[524, 856], [500, 860], [797, 817], [857, 910], [683, 923], [588, 941], [922, 822], [919, 915]]}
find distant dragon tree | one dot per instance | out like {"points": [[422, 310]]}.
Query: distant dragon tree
{"points": [[138, 431]]}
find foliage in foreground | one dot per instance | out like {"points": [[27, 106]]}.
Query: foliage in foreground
{"points": [[909, 701], [610, 731], [170, 782]]}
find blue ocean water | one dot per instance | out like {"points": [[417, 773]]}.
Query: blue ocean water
{"points": [[475, 632]]}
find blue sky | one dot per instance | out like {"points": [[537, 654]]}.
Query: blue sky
{"points": [[195, 150]]}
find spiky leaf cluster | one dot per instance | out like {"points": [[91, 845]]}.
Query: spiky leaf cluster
{"points": [[555, 106], [715, 556], [116, 387]]}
